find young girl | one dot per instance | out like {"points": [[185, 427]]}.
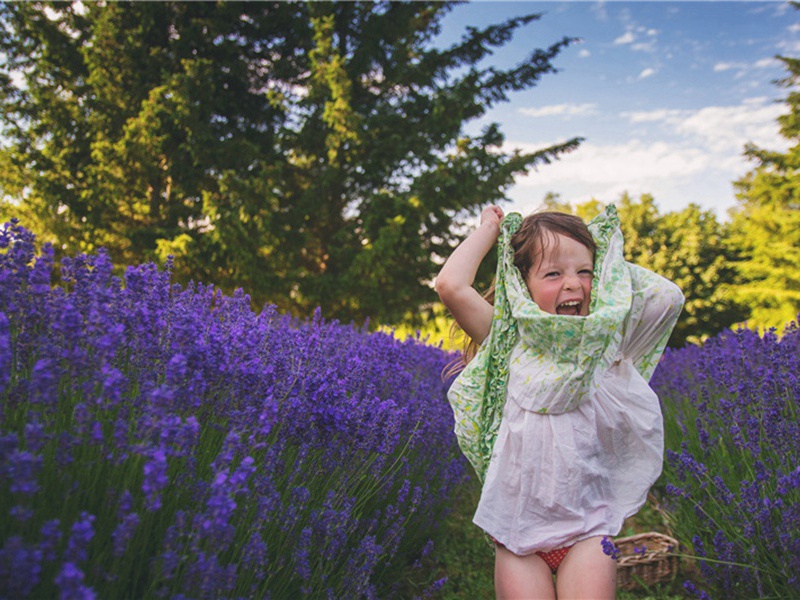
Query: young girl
{"points": [[554, 410]]}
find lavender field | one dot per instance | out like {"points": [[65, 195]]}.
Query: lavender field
{"points": [[732, 472], [159, 441]]}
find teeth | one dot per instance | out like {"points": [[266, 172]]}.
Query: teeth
{"points": [[571, 303]]}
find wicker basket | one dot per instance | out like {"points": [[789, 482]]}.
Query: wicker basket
{"points": [[657, 564]]}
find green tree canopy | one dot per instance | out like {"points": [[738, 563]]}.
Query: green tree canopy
{"points": [[312, 153], [765, 224]]}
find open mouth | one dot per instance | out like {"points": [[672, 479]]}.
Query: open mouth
{"points": [[572, 307]]}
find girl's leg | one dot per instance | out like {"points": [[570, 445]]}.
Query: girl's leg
{"points": [[587, 572], [521, 577]]}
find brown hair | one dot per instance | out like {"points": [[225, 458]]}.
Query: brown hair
{"points": [[536, 232]]}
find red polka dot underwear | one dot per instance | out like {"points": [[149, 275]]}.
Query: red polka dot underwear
{"points": [[554, 557]]}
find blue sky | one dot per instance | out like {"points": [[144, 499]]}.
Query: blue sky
{"points": [[665, 93]]}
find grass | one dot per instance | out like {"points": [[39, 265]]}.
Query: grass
{"points": [[466, 558]]}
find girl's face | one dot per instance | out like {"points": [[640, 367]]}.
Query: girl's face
{"points": [[561, 281]]}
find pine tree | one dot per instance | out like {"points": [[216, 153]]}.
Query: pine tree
{"points": [[312, 153]]}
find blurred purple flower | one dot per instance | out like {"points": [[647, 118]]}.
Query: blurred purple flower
{"points": [[51, 537], [5, 352], [20, 513], [123, 533], [22, 470], [20, 568], [70, 583], [81, 534], [35, 437], [155, 479]]}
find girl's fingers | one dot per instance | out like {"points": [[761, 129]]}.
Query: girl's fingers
{"points": [[492, 212]]}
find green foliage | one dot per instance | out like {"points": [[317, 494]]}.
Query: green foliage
{"points": [[766, 223], [310, 152], [464, 555], [688, 247]]}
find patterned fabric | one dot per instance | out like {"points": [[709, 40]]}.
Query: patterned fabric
{"points": [[554, 557], [556, 358]]}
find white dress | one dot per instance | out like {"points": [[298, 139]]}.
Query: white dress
{"points": [[555, 412], [557, 478]]}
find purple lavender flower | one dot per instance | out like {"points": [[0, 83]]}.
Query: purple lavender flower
{"points": [[20, 568], [434, 588], [153, 376], [210, 579], [254, 554], [5, 352], [733, 438], [21, 513], [155, 479], [695, 591], [124, 532], [609, 548], [43, 385], [81, 534], [51, 536], [8, 444], [22, 469], [302, 553], [35, 437], [70, 583], [360, 566]]}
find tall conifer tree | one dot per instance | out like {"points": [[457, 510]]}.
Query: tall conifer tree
{"points": [[313, 153]]}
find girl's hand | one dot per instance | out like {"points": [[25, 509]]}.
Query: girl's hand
{"points": [[492, 215], [454, 283]]}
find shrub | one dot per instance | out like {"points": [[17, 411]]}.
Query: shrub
{"points": [[732, 479], [160, 441]]}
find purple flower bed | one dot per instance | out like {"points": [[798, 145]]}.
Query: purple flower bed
{"points": [[732, 478], [160, 441]]}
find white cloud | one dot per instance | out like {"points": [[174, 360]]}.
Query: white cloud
{"points": [[599, 10], [726, 128], [661, 114], [584, 53], [789, 46], [636, 161], [567, 110], [625, 38], [743, 67], [648, 72], [721, 129], [670, 172], [727, 66], [678, 155], [766, 63]]}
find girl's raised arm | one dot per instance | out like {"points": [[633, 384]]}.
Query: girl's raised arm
{"points": [[454, 282]]}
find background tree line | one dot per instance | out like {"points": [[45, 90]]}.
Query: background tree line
{"points": [[314, 154]]}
